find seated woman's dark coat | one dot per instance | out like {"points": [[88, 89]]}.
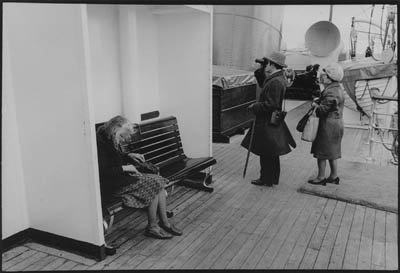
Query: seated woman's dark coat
{"points": [[110, 161]]}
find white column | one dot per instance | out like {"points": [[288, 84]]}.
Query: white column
{"points": [[128, 31]]}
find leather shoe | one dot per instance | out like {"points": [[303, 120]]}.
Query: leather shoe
{"points": [[171, 229], [257, 182], [333, 181], [322, 182], [158, 234]]}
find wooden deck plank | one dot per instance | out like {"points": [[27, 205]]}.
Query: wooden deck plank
{"points": [[80, 267], [211, 241], [391, 247], [251, 207], [169, 251], [309, 258], [12, 253], [41, 263], [184, 256], [319, 233], [302, 252], [231, 250], [271, 197], [225, 228], [60, 253], [378, 243], [353, 244], [282, 232], [209, 212], [18, 259], [298, 227], [315, 243], [221, 212], [28, 261], [199, 212], [68, 265], [271, 224], [365, 255], [53, 265], [338, 252], [132, 262], [325, 251], [299, 249], [243, 257]]}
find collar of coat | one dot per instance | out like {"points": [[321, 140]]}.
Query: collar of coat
{"points": [[332, 85], [273, 75]]}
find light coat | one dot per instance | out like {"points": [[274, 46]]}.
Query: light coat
{"points": [[327, 144]]}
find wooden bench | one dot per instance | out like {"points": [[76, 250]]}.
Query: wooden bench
{"points": [[160, 142]]}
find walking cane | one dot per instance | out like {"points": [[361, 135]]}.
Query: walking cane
{"points": [[250, 144]]}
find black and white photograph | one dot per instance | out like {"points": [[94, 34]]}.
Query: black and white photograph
{"points": [[189, 135]]}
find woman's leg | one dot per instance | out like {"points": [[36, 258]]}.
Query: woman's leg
{"points": [[321, 169], [162, 207], [162, 213], [152, 213], [333, 165]]}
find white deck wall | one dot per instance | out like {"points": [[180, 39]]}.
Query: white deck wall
{"points": [[105, 57], [185, 73], [50, 83], [14, 215]]}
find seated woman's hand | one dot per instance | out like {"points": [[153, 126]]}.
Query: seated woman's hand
{"points": [[137, 157], [131, 169]]}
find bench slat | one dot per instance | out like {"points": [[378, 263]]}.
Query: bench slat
{"points": [[158, 131], [163, 157], [155, 124], [143, 143]]}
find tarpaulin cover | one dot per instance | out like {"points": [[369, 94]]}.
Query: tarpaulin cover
{"points": [[365, 70], [227, 77]]}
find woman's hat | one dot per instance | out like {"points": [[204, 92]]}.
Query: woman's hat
{"points": [[334, 71], [277, 58]]}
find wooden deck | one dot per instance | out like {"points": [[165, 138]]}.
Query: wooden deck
{"points": [[242, 226]]}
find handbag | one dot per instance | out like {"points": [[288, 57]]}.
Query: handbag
{"points": [[278, 116], [303, 121], [311, 128]]}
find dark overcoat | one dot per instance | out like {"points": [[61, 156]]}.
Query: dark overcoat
{"points": [[112, 177], [327, 144], [270, 140]]}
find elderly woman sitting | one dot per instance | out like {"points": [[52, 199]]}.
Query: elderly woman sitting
{"points": [[120, 177]]}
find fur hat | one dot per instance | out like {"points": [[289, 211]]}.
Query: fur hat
{"points": [[334, 71]]}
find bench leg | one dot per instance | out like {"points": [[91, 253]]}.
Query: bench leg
{"points": [[107, 226], [207, 181], [110, 250]]}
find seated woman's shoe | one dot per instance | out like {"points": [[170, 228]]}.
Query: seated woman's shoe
{"points": [[171, 229], [316, 182], [158, 234], [333, 181]]}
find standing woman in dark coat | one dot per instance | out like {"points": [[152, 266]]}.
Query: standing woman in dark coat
{"points": [[119, 177], [270, 141], [329, 109]]}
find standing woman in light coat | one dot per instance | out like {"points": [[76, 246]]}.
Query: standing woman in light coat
{"points": [[329, 109]]}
